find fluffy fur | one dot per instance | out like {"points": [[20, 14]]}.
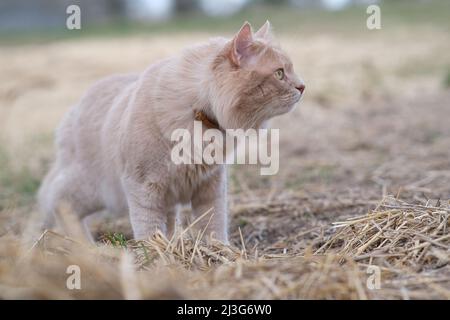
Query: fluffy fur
{"points": [[113, 148]]}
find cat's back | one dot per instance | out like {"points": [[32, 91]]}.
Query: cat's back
{"points": [[101, 97], [81, 126]]}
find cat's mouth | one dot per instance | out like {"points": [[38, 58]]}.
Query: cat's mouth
{"points": [[294, 98], [291, 102]]}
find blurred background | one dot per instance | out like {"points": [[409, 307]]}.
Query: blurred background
{"points": [[47, 18], [25, 14], [373, 121]]}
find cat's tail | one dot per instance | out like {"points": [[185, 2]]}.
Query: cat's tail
{"points": [[45, 201]]}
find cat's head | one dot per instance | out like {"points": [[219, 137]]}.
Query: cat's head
{"points": [[254, 80]]}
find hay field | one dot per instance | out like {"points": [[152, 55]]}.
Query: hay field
{"points": [[364, 159]]}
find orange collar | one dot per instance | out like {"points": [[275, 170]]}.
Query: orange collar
{"points": [[201, 116]]}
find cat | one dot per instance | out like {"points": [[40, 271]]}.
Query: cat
{"points": [[113, 147]]}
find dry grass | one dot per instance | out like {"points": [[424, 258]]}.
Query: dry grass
{"points": [[409, 244]]}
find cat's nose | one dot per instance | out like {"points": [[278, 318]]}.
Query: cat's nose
{"points": [[301, 88]]}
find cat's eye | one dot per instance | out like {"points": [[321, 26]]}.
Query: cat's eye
{"points": [[279, 74]]}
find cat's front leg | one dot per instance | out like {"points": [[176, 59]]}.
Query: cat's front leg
{"points": [[146, 208], [212, 197]]}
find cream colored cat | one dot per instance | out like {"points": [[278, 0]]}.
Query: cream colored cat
{"points": [[113, 148]]}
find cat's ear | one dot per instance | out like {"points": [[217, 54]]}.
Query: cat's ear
{"points": [[265, 32], [241, 42]]}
